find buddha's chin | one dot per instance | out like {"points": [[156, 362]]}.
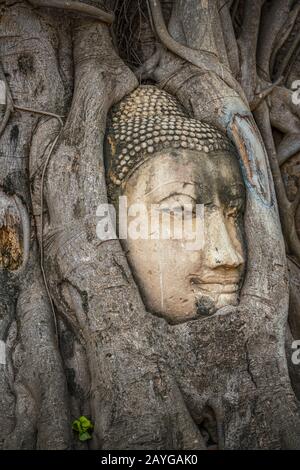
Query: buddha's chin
{"points": [[199, 306], [209, 303]]}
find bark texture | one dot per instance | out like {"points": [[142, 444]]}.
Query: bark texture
{"points": [[78, 338]]}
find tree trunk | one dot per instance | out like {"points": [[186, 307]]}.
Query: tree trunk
{"points": [[79, 341]]}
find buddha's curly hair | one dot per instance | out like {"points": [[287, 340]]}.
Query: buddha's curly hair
{"points": [[147, 121]]}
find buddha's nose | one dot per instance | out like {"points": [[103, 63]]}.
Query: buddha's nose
{"points": [[223, 249]]}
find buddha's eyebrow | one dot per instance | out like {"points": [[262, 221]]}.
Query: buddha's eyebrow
{"points": [[176, 193], [184, 183]]}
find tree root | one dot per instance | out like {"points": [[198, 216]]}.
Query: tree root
{"points": [[247, 45], [286, 208], [282, 37], [146, 70], [288, 147], [200, 58], [76, 7], [263, 94]]}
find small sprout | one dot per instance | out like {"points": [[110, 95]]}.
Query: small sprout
{"points": [[84, 427]]}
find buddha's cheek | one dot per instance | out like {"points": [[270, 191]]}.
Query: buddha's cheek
{"points": [[163, 270]]}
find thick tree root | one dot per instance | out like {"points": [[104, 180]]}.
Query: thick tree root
{"points": [[76, 7]]}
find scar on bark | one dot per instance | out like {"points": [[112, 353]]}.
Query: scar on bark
{"points": [[251, 164], [11, 252], [14, 233]]}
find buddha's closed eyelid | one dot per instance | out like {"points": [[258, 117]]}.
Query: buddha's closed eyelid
{"points": [[178, 205], [177, 199]]}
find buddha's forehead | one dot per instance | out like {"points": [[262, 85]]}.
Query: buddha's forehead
{"points": [[187, 172]]}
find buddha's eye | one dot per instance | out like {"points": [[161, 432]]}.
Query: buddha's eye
{"points": [[188, 211], [179, 206]]}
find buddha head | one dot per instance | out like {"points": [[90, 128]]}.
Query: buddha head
{"points": [[157, 156]]}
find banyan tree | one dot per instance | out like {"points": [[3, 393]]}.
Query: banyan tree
{"points": [[171, 103]]}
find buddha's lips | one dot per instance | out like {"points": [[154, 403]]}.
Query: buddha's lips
{"points": [[217, 288]]}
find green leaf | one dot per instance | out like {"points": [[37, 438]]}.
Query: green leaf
{"points": [[76, 425], [82, 426], [85, 436], [85, 424]]}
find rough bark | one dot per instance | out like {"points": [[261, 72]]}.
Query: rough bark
{"points": [[224, 380], [34, 401]]}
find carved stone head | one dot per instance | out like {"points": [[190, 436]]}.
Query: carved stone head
{"points": [[156, 155]]}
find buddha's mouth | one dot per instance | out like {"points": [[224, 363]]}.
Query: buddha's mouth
{"points": [[218, 288], [224, 286]]}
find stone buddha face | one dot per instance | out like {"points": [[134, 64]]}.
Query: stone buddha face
{"points": [[176, 281]]}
